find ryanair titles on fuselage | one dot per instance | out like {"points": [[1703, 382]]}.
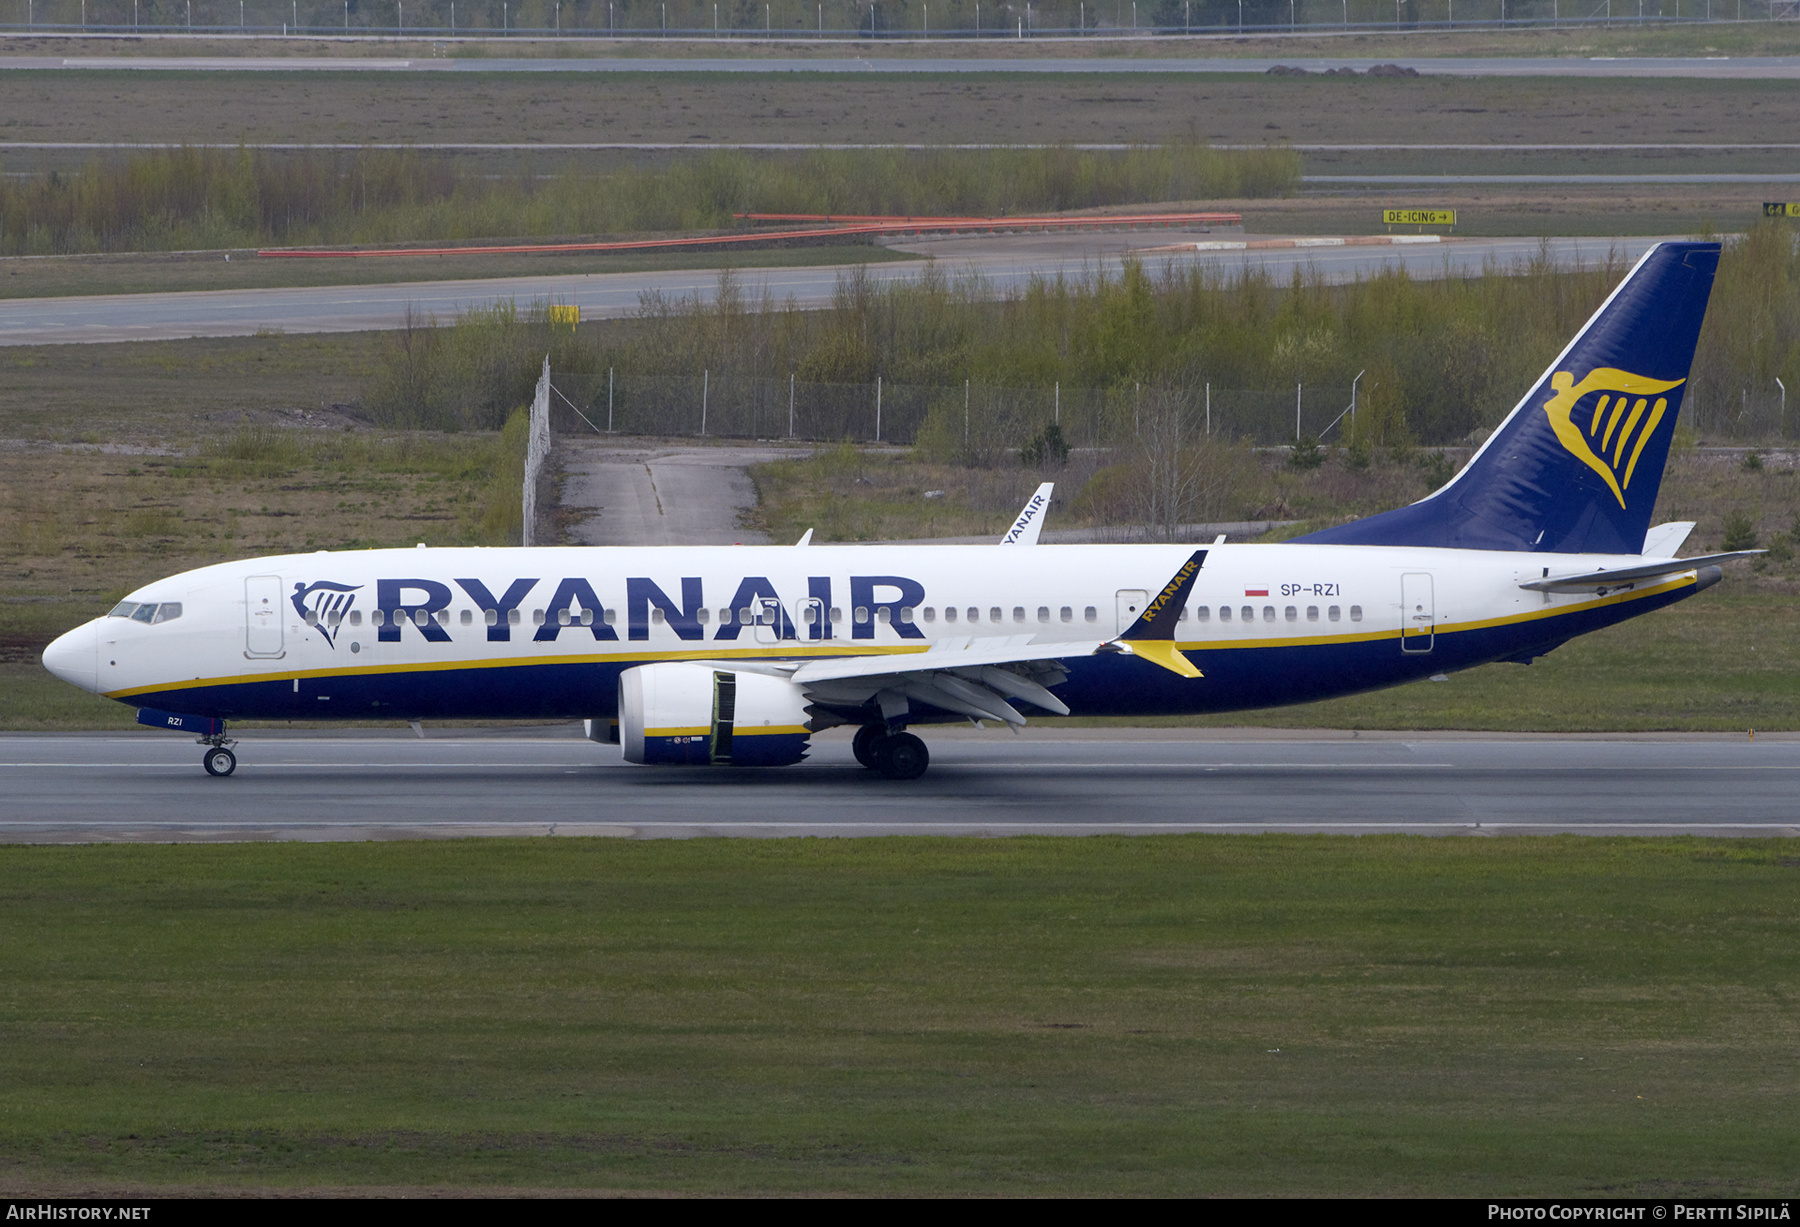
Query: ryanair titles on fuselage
{"points": [[418, 601]]}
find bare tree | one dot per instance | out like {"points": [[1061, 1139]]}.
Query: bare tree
{"points": [[1180, 476]]}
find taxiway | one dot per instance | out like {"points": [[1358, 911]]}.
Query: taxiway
{"points": [[1003, 263]]}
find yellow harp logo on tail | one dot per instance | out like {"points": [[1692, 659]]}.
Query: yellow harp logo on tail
{"points": [[1618, 424]]}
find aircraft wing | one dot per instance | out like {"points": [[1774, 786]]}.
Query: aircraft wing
{"points": [[1623, 577], [974, 677], [981, 677]]}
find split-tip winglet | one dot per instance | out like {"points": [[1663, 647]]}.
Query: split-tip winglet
{"points": [[1152, 636]]}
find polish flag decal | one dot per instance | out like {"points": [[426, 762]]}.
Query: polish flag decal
{"points": [[1256, 592]]}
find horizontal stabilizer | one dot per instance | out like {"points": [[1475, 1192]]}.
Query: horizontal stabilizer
{"points": [[1623, 577]]}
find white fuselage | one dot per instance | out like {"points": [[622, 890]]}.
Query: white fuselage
{"points": [[543, 632]]}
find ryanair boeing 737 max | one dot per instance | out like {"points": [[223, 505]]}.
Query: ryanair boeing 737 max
{"points": [[736, 656]]}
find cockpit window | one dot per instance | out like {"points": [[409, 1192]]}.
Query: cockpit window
{"points": [[150, 613]]}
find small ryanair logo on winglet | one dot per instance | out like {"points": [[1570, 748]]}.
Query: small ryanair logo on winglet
{"points": [[1620, 420], [1172, 589]]}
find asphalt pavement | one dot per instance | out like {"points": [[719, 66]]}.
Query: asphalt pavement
{"points": [[357, 785], [1000, 262], [633, 495]]}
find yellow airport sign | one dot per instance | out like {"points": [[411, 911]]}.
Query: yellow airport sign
{"points": [[1419, 217], [1778, 209], [565, 315]]}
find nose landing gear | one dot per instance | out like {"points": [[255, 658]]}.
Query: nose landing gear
{"points": [[898, 756], [218, 759]]}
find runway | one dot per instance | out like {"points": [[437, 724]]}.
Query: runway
{"points": [[806, 147], [1745, 68], [1004, 264], [357, 785]]}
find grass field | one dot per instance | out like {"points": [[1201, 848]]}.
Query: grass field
{"points": [[701, 108], [697, 110], [1189, 1015]]}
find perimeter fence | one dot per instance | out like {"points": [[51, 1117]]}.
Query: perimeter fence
{"points": [[850, 20], [973, 421], [977, 423]]}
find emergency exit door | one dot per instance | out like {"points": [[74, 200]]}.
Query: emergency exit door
{"points": [[767, 618], [1418, 613]]}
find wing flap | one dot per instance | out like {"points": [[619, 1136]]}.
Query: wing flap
{"points": [[1011, 650]]}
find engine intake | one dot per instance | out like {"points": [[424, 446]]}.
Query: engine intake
{"points": [[676, 714]]}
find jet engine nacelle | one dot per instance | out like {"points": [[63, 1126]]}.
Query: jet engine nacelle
{"points": [[678, 714]]}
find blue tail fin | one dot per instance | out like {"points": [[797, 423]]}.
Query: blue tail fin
{"points": [[1576, 466]]}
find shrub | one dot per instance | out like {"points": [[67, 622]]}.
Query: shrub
{"points": [[177, 199], [1047, 449], [1438, 469], [1740, 533], [1306, 453]]}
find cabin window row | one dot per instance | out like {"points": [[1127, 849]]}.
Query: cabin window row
{"points": [[1290, 613], [809, 614]]}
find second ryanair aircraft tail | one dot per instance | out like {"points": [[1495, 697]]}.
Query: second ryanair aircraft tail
{"points": [[1576, 466]]}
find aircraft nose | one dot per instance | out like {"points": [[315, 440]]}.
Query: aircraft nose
{"points": [[75, 657]]}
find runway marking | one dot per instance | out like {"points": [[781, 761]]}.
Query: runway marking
{"points": [[1023, 763], [807, 147], [942, 763], [902, 826]]}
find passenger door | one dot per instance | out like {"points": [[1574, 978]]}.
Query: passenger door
{"points": [[264, 613]]}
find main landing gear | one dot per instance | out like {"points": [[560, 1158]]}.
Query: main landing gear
{"points": [[218, 759], [898, 756]]}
